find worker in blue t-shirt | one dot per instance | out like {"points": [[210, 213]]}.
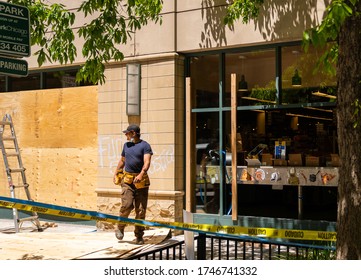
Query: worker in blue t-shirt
{"points": [[131, 174]]}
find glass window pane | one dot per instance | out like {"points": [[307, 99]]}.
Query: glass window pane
{"points": [[308, 131], [301, 82], [31, 82], [2, 83], [53, 79], [61, 79], [256, 72], [205, 80], [207, 162]]}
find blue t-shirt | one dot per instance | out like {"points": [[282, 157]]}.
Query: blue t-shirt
{"points": [[134, 155]]}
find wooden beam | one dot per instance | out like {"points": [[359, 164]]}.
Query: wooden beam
{"points": [[190, 157], [234, 145]]}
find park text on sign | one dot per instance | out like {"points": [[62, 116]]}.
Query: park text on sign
{"points": [[14, 67], [14, 30]]}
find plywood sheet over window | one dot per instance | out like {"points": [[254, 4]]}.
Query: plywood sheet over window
{"points": [[61, 118], [57, 133]]}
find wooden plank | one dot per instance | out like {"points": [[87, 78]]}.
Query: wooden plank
{"points": [[126, 247], [190, 147], [234, 145]]}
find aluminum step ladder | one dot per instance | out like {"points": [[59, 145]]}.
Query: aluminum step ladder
{"points": [[10, 148]]}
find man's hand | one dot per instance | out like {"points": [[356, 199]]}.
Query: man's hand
{"points": [[138, 178]]}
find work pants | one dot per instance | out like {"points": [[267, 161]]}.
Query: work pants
{"points": [[137, 199]]}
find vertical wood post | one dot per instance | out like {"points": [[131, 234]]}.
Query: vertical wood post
{"points": [[190, 155], [234, 145]]}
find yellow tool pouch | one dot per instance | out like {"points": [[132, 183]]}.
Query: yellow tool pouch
{"points": [[140, 184], [128, 179], [144, 183], [119, 176]]}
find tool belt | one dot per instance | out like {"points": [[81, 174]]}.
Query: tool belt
{"points": [[128, 178], [119, 177]]}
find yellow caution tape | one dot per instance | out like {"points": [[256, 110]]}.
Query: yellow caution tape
{"points": [[55, 210]]}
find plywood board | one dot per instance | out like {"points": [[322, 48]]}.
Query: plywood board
{"points": [[65, 177], [57, 135], [61, 118], [126, 247]]}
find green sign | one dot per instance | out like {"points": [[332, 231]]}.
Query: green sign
{"points": [[14, 67], [14, 30]]}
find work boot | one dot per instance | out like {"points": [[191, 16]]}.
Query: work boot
{"points": [[139, 241], [119, 234]]}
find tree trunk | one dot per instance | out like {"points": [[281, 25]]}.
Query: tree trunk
{"points": [[349, 140]]}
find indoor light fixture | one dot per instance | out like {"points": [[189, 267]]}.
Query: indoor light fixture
{"points": [[242, 85], [296, 79]]}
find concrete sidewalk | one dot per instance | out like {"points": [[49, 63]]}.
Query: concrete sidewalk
{"points": [[8, 226], [65, 241]]}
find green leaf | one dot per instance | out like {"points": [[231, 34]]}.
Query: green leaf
{"points": [[113, 23]]}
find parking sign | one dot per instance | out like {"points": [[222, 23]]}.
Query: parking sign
{"points": [[14, 30]]}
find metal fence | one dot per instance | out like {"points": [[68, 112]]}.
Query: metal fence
{"points": [[213, 247], [169, 251]]}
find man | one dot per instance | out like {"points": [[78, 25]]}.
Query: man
{"points": [[132, 172]]}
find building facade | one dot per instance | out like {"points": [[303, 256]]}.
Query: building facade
{"points": [[190, 58]]}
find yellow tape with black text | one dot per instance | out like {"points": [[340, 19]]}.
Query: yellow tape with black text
{"points": [[55, 210]]}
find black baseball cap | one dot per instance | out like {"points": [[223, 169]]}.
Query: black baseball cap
{"points": [[132, 127]]}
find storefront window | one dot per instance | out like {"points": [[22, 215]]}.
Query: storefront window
{"points": [[286, 132], [256, 77], [208, 157], [31, 82], [205, 80], [62, 79], [308, 132], [301, 82], [42, 80], [59, 79], [2, 83]]}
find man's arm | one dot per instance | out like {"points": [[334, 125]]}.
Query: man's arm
{"points": [[147, 159], [120, 165]]}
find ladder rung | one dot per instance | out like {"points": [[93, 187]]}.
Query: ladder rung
{"points": [[16, 169], [13, 154], [9, 138], [10, 148], [5, 123], [20, 186], [30, 218]]}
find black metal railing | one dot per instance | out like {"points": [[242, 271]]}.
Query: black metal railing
{"points": [[228, 248], [213, 247], [169, 251]]}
